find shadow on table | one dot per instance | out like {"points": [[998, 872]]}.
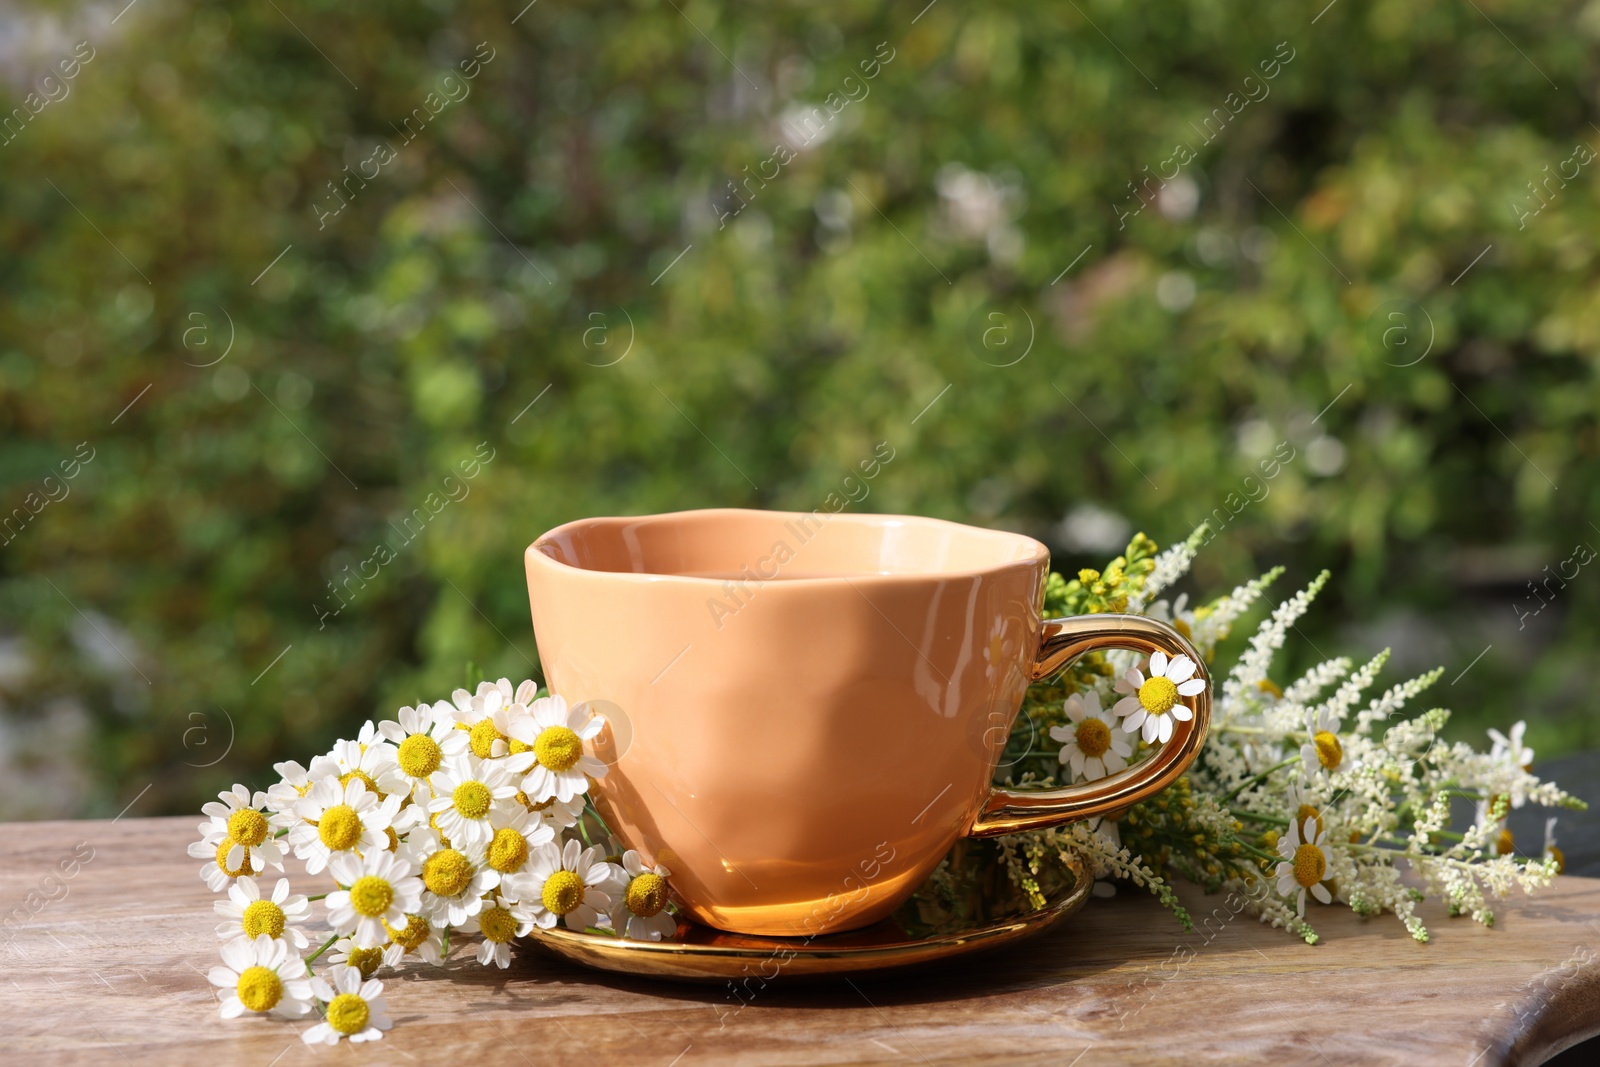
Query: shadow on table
{"points": [[1052, 958], [1129, 933]]}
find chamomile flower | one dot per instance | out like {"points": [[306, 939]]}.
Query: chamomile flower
{"points": [[340, 819], [238, 814], [365, 960], [454, 878], [468, 794], [566, 883], [474, 713], [371, 763], [1152, 703], [249, 916], [1513, 762], [1302, 807], [518, 755], [1511, 748], [1095, 744], [1304, 865], [499, 923], [294, 782], [263, 976], [423, 740], [355, 1008], [517, 833], [1323, 748], [379, 890], [237, 837], [420, 936], [557, 735], [639, 893], [557, 814], [1178, 613], [1492, 831]]}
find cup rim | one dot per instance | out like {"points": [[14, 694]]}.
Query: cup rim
{"points": [[1037, 552]]}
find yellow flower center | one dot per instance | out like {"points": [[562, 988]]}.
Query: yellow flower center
{"points": [[647, 895], [1093, 738], [522, 798], [1330, 753], [416, 932], [563, 891], [365, 960], [248, 827], [1309, 865], [558, 748], [262, 917], [497, 924], [1560, 858], [394, 840], [508, 851], [347, 1013], [1267, 685], [482, 737], [518, 747], [339, 828], [1308, 812], [419, 755], [1504, 845], [260, 988], [446, 872], [244, 864], [371, 896], [364, 778], [472, 799], [1157, 695], [1182, 627]]}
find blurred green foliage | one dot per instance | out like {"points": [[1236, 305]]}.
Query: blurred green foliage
{"points": [[575, 204]]}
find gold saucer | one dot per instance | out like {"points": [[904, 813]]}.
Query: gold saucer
{"points": [[913, 936]]}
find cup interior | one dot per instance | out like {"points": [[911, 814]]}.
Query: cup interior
{"points": [[719, 544]]}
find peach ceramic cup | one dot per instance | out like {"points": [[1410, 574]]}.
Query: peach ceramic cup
{"points": [[806, 710]]}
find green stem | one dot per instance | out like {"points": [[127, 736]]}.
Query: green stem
{"points": [[1257, 731], [1259, 853], [326, 945], [444, 944], [319, 896], [1248, 782], [1255, 816], [594, 813]]}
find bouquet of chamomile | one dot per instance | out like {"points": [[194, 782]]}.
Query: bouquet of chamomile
{"points": [[1312, 789], [469, 817]]}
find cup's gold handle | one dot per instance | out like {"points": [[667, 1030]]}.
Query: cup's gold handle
{"points": [[1062, 641]]}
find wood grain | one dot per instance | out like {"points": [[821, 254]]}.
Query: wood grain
{"points": [[108, 967]]}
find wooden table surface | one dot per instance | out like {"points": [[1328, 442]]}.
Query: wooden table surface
{"points": [[112, 971]]}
